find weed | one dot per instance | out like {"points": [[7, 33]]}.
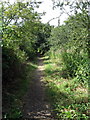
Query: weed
{"points": [[67, 96]]}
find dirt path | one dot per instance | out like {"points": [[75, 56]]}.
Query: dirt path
{"points": [[35, 103]]}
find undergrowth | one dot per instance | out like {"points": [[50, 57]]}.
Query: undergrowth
{"points": [[13, 92], [67, 95]]}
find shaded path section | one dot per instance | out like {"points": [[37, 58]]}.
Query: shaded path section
{"points": [[35, 103]]}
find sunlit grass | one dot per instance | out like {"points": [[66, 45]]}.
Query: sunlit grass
{"points": [[68, 97]]}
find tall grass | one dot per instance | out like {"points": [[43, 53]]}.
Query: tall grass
{"points": [[68, 95]]}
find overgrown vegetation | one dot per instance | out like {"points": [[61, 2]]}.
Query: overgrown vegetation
{"points": [[13, 92], [23, 38], [68, 96], [68, 69]]}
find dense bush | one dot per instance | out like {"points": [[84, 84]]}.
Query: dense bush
{"points": [[70, 40], [22, 36]]}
